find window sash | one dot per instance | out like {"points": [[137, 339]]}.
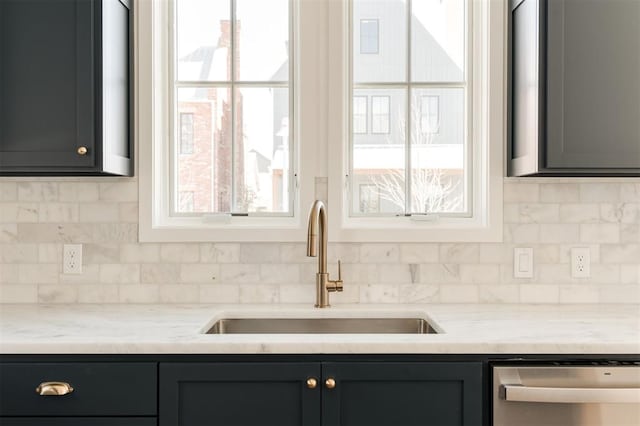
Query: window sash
{"points": [[409, 86], [234, 85]]}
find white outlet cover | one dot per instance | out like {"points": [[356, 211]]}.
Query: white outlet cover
{"points": [[580, 262], [523, 262], [72, 259]]}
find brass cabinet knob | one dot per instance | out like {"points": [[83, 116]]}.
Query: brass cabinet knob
{"points": [[82, 150], [54, 388], [330, 383], [312, 383]]}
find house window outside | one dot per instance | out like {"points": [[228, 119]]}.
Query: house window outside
{"points": [[232, 76], [430, 114], [186, 133], [369, 36], [360, 114], [418, 155], [380, 114]]}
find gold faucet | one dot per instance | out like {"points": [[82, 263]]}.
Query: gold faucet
{"points": [[318, 227]]}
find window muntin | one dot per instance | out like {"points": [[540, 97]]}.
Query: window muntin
{"points": [[232, 72], [416, 172], [369, 36]]}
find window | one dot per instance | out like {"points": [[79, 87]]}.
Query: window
{"points": [[380, 114], [186, 133], [231, 72], [360, 114], [427, 59], [404, 126], [369, 36], [430, 114]]}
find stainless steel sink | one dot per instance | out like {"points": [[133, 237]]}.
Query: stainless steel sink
{"points": [[321, 326]]}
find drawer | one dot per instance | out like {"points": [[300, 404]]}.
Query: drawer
{"points": [[99, 389], [78, 421]]}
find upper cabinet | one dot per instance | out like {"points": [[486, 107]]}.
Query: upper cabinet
{"points": [[574, 88], [65, 88]]}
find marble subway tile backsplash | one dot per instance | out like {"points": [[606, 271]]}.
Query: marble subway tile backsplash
{"points": [[38, 217]]}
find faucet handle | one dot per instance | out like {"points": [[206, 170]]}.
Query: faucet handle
{"points": [[337, 284]]}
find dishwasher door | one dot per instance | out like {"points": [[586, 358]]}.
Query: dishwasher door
{"points": [[566, 396]]}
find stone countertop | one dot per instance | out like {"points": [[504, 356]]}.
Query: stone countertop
{"points": [[177, 329]]}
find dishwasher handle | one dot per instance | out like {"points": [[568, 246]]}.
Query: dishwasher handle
{"points": [[518, 393]]}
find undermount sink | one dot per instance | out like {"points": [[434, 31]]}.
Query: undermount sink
{"points": [[322, 326]]}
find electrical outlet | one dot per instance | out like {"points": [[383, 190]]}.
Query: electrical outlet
{"points": [[72, 259], [580, 262]]}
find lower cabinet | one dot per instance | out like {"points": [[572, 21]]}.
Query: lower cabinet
{"points": [[77, 421], [238, 394], [78, 393], [322, 393], [402, 394]]}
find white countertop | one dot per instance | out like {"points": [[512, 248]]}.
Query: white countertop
{"points": [[177, 329]]}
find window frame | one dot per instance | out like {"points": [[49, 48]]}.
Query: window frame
{"points": [[487, 45], [153, 29]]}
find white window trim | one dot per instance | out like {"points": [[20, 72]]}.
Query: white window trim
{"points": [[488, 130], [152, 106]]}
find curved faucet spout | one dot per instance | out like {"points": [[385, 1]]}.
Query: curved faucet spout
{"points": [[317, 246], [318, 228]]}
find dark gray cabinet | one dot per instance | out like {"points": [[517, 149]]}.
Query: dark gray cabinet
{"points": [[574, 88], [239, 394], [103, 394], [77, 421], [361, 393], [65, 87], [403, 394]]}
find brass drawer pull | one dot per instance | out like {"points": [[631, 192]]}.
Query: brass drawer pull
{"points": [[54, 388], [82, 150], [312, 383], [330, 383]]}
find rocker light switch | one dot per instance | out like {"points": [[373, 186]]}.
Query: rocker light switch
{"points": [[523, 263]]}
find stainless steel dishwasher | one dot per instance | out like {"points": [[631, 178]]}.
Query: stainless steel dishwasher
{"points": [[601, 394]]}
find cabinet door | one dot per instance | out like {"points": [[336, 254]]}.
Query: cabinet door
{"points": [[239, 394], [526, 80], [593, 84], [46, 84], [402, 394]]}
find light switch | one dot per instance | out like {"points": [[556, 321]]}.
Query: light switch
{"points": [[523, 262]]}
